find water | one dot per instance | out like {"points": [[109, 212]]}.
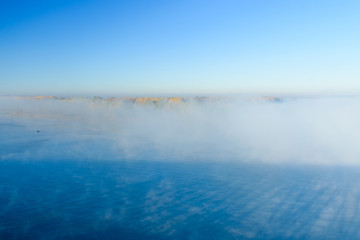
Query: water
{"points": [[76, 181], [176, 200]]}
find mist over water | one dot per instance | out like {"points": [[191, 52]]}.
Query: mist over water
{"points": [[232, 169], [294, 131]]}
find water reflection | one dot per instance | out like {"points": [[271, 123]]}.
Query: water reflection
{"points": [[162, 200]]}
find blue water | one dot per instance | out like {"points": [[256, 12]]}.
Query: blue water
{"points": [[57, 186], [176, 200]]}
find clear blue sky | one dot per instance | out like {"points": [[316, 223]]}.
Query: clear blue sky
{"points": [[101, 47]]}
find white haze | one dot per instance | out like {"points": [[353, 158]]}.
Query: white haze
{"points": [[294, 131]]}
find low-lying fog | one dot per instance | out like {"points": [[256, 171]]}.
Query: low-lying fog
{"points": [[296, 131], [199, 186]]}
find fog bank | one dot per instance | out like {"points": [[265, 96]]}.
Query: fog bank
{"points": [[292, 131]]}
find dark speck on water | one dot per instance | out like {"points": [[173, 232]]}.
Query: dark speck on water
{"points": [[56, 192]]}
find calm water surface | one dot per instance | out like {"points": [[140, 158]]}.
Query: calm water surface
{"points": [[72, 197], [176, 200]]}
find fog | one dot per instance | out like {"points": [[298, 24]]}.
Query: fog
{"points": [[219, 168], [313, 131]]}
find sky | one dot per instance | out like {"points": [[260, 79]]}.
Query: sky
{"points": [[138, 47]]}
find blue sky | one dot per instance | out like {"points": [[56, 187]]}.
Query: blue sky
{"points": [[95, 47]]}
